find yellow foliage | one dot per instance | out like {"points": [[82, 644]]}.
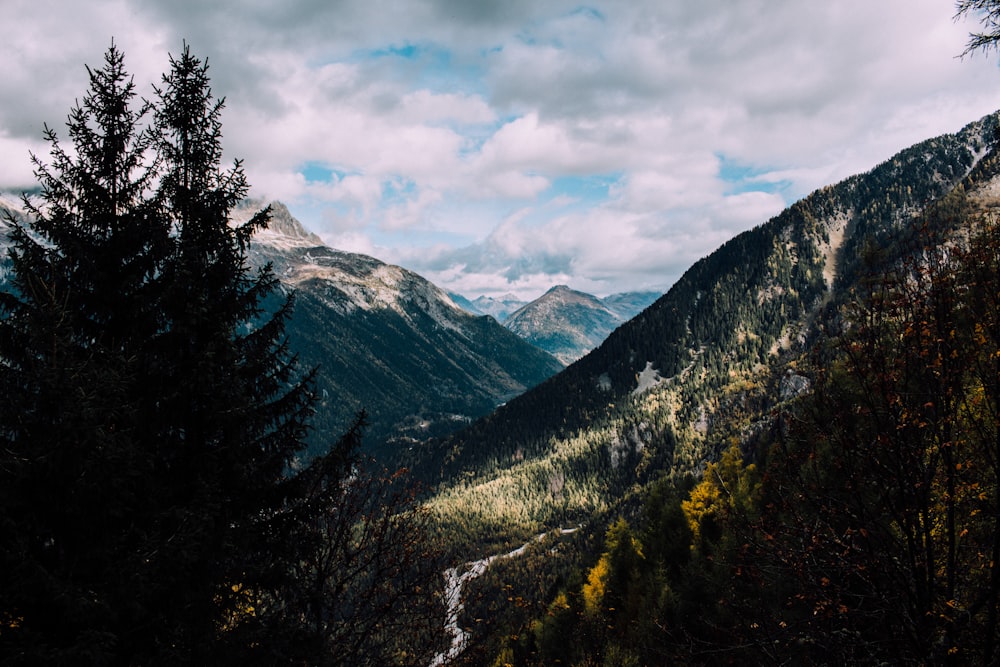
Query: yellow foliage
{"points": [[596, 586], [725, 485], [703, 500], [561, 603], [10, 621], [241, 608], [505, 658]]}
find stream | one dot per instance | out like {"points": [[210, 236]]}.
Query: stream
{"points": [[455, 579]]}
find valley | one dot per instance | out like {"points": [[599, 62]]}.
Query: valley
{"points": [[698, 374], [454, 420], [512, 445]]}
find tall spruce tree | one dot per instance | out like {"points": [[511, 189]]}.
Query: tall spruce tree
{"points": [[228, 410], [151, 507], [76, 321]]}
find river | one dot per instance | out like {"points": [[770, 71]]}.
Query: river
{"points": [[455, 579]]}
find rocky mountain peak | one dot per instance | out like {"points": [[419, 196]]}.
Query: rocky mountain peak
{"points": [[283, 231]]}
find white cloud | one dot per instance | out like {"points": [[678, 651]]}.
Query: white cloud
{"points": [[452, 131], [16, 171]]}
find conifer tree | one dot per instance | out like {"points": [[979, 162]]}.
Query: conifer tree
{"points": [[152, 510], [988, 12], [76, 320], [228, 410]]}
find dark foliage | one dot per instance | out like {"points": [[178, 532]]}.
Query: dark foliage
{"points": [[152, 509]]}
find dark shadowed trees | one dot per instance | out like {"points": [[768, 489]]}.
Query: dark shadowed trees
{"points": [[152, 508], [880, 520], [988, 12]]}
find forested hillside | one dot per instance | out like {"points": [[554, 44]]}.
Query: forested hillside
{"points": [[725, 321], [768, 320], [853, 519]]}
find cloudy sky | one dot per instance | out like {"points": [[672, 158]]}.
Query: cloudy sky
{"points": [[502, 146]]}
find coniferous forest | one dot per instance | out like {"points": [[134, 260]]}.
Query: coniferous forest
{"points": [[151, 513], [792, 457]]}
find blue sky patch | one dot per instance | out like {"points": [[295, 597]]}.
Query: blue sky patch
{"points": [[583, 189], [741, 177], [320, 172]]}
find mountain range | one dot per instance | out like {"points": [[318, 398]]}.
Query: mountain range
{"points": [[499, 307], [388, 342], [564, 322], [384, 340]]}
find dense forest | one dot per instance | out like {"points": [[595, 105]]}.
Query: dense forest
{"points": [[790, 456]]}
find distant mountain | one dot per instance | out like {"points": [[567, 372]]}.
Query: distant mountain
{"points": [[569, 324], [499, 307], [630, 304], [563, 322], [465, 304]]}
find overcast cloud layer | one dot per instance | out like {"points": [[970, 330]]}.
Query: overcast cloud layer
{"points": [[512, 145]]}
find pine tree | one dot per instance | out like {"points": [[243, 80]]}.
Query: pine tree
{"points": [[152, 509], [76, 321], [227, 411]]}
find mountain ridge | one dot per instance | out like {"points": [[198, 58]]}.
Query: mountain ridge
{"points": [[384, 340], [565, 322], [657, 397]]}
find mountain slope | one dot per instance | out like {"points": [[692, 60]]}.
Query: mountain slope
{"points": [[390, 342], [385, 341], [667, 390], [564, 322]]}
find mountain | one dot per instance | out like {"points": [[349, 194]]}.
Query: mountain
{"points": [[499, 307], [385, 340], [564, 322], [629, 304], [671, 388], [388, 341]]}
